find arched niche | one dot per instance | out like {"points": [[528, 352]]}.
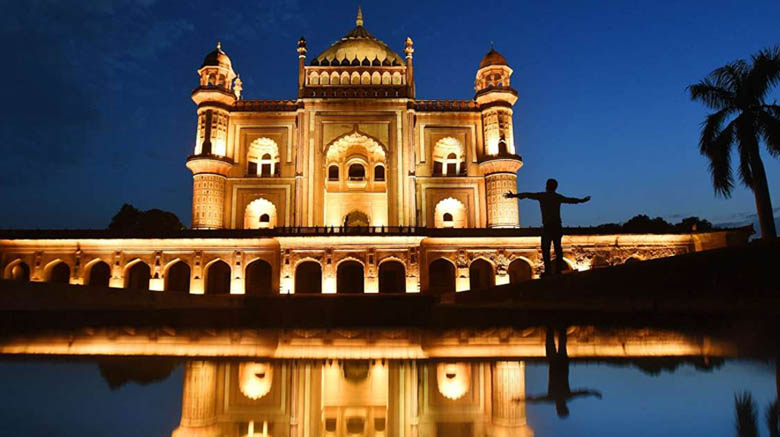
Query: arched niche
{"points": [[137, 275], [308, 277], [519, 270], [260, 214], [449, 157], [481, 275], [258, 278], [263, 157], [177, 277], [350, 277], [450, 213], [441, 276], [392, 277], [98, 274], [217, 277]]}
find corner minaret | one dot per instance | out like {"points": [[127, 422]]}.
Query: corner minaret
{"points": [[210, 162], [499, 163]]}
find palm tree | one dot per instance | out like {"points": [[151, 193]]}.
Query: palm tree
{"points": [[737, 93], [745, 409]]}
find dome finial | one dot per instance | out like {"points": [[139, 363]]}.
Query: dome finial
{"points": [[359, 19], [219, 45]]}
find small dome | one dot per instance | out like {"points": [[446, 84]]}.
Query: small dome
{"points": [[217, 58], [359, 45], [492, 58]]}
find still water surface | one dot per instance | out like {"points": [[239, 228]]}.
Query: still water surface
{"points": [[690, 396]]}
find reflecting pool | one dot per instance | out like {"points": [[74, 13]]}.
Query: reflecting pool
{"points": [[568, 380]]}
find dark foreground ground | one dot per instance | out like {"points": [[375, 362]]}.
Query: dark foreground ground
{"points": [[718, 287]]}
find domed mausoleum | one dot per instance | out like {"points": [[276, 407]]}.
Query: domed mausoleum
{"points": [[353, 185]]}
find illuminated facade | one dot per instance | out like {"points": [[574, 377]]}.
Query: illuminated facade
{"points": [[355, 186]]}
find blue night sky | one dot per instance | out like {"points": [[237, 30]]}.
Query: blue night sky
{"points": [[98, 113]]}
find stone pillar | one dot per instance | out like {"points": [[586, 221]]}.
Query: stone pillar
{"points": [[199, 401], [501, 176], [508, 415]]}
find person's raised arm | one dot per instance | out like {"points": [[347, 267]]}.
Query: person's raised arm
{"points": [[510, 195], [565, 199]]}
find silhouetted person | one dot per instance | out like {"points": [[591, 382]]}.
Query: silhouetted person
{"points": [[558, 390], [552, 232]]}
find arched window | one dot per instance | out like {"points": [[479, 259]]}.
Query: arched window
{"points": [[357, 172], [392, 277], [379, 173], [441, 277], [481, 275], [447, 220], [308, 278], [258, 278], [137, 276], [218, 278], [263, 158], [177, 278], [448, 157], [333, 173], [264, 219], [349, 278], [99, 274]]}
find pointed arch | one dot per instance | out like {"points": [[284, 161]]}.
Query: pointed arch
{"points": [[392, 276], [97, 273], [137, 275], [57, 272], [449, 156], [308, 276], [520, 270], [17, 270], [177, 276], [258, 279], [217, 277], [441, 276], [350, 276], [481, 274]]}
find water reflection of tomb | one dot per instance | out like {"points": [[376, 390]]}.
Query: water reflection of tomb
{"points": [[351, 398]]}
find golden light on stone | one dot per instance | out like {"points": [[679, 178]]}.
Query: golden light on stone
{"points": [[255, 379], [354, 149], [453, 379]]}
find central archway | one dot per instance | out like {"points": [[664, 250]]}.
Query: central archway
{"points": [[356, 219], [99, 274], [481, 275], [137, 276], [392, 277], [519, 271], [441, 276], [177, 278], [258, 278], [59, 274], [349, 278], [218, 278], [308, 278]]}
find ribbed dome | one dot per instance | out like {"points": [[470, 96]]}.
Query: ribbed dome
{"points": [[358, 47], [217, 58], [492, 58]]}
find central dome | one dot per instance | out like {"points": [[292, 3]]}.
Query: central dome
{"points": [[358, 47]]}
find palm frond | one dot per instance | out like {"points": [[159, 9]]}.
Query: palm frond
{"points": [[765, 73], [773, 419], [718, 150], [745, 409], [713, 96], [769, 127], [730, 76]]}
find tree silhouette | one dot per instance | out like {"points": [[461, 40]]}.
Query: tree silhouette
{"points": [[747, 419], [131, 220], [737, 93]]}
